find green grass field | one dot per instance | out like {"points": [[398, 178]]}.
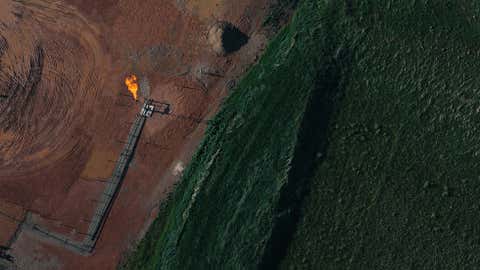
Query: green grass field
{"points": [[352, 144]]}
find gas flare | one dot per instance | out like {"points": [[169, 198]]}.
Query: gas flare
{"points": [[132, 85]]}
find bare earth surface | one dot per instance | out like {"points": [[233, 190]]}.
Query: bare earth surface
{"points": [[65, 113]]}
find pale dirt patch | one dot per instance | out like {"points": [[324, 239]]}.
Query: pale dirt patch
{"points": [[99, 164], [178, 169]]}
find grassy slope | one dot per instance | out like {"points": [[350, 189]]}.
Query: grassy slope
{"points": [[395, 183], [222, 213], [399, 187]]}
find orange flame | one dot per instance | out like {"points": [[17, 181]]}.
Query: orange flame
{"points": [[132, 85]]}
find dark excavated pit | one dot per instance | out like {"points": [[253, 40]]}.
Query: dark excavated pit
{"points": [[233, 39], [225, 38]]}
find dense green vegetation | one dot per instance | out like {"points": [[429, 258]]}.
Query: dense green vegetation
{"points": [[351, 145], [399, 187], [279, 13]]}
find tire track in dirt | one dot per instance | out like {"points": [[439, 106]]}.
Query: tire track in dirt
{"points": [[49, 60]]}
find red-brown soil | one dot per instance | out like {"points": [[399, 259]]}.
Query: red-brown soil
{"points": [[64, 112]]}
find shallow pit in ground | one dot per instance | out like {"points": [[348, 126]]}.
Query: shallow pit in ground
{"points": [[225, 38]]}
